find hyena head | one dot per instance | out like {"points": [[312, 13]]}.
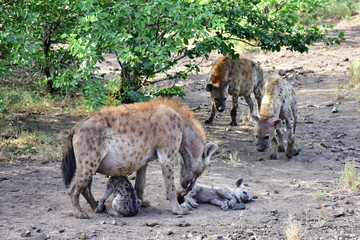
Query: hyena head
{"points": [[241, 193], [265, 131], [218, 94], [196, 158]]}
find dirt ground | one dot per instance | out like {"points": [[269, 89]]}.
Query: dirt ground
{"points": [[34, 203]]}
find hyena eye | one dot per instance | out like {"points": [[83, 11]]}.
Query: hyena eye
{"points": [[224, 99], [266, 137]]}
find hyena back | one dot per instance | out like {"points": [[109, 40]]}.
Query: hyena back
{"points": [[121, 140], [237, 78], [278, 103]]}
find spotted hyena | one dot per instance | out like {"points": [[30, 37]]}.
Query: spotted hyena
{"points": [[278, 103], [239, 79], [125, 202], [120, 140], [223, 197]]}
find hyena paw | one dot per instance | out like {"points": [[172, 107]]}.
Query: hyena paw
{"points": [[81, 215], [209, 121], [225, 207], [100, 208], [281, 149], [233, 124], [145, 203], [273, 156]]}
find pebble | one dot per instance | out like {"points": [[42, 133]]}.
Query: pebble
{"points": [[26, 233], [152, 224], [183, 224]]}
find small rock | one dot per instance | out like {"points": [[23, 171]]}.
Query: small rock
{"points": [[102, 222], [239, 206], [333, 212], [276, 191], [48, 209], [274, 212], [81, 235], [282, 72], [61, 230], [26, 233], [113, 222], [170, 233], [152, 224], [346, 59], [183, 224]]}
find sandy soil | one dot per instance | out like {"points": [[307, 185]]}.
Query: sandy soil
{"points": [[34, 203]]}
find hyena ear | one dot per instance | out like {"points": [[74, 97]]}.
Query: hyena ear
{"points": [[276, 124], [209, 149], [209, 87], [256, 118], [239, 182]]}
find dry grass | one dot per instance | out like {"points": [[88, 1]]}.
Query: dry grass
{"points": [[350, 179], [354, 77], [293, 229], [320, 195]]}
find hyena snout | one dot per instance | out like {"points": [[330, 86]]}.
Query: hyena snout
{"points": [[245, 197], [220, 106], [261, 147]]}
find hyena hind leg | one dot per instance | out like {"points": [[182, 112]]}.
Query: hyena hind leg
{"points": [[88, 195]]}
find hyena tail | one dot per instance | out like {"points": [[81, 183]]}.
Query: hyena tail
{"points": [[68, 164]]}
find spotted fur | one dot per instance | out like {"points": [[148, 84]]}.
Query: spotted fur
{"points": [[125, 201], [278, 103], [237, 78], [223, 197], [121, 140]]}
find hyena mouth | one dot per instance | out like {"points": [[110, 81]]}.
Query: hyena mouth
{"points": [[190, 184]]}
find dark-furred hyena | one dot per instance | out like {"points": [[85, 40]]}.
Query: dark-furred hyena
{"points": [[239, 79], [278, 103], [125, 201]]}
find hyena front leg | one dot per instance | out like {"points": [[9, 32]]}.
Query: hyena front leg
{"points": [[190, 201], [221, 203], [280, 135], [168, 175], [212, 114], [233, 111], [227, 194], [274, 148], [290, 127], [140, 185], [101, 206], [250, 103]]}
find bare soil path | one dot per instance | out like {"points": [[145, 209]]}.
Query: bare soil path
{"points": [[34, 203]]}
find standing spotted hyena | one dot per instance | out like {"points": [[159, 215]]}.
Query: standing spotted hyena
{"points": [[278, 103], [239, 79], [121, 140], [125, 201]]}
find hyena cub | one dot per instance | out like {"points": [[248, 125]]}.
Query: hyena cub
{"points": [[278, 103], [239, 79], [125, 202], [224, 198]]}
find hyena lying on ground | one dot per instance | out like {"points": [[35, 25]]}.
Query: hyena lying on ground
{"points": [[125, 202], [120, 140], [224, 198], [278, 103], [239, 79]]}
